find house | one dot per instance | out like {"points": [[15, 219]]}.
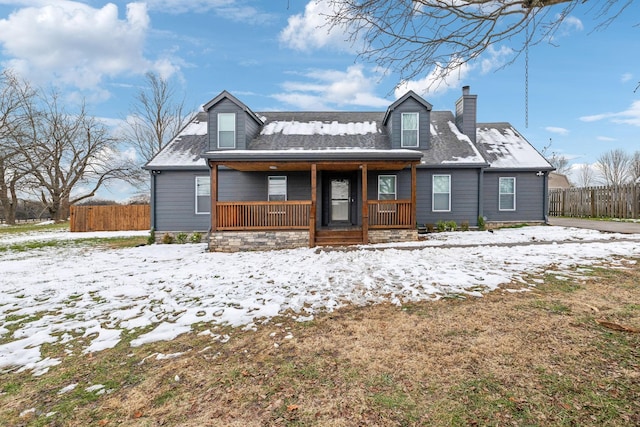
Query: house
{"points": [[558, 181], [262, 180]]}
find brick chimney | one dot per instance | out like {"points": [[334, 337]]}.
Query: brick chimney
{"points": [[466, 113]]}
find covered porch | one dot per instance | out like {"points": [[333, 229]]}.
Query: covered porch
{"points": [[339, 209]]}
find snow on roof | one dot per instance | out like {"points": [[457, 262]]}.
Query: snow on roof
{"points": [[505, 148], [317, 127], [474, 157], [185, 150]]}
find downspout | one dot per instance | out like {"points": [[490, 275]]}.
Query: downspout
{"points": [[153, 174], [480, 193], [546, 198]]}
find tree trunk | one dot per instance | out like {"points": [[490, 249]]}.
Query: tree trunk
{"points": [[9, 205]]}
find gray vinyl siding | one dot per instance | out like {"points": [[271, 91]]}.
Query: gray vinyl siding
{"points": [[403, 184], [424, 121], [227, 106], [529, 197], [174, 198], [253, 187], [464, 196]]}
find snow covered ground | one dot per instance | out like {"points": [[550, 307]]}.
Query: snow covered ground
{"points": [[57, 294]]}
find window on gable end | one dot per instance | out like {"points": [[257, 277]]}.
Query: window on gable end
{"points": [[507, 201], [226, 130], [203, 195], [409, 136]]}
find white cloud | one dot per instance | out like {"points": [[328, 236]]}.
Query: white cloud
{"points": [[626, 77], [558, 130], [443, 78], [605, 139], [630, 116], [233, 10], [310, 30], [571, 24], [328, 89], [70, 43], [438, 81]]}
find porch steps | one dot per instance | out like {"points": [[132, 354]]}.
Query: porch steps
{"points": [[338, 237]]}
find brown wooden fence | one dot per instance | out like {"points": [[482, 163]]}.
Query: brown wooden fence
{"points": [[110, 218], [596, 202]]}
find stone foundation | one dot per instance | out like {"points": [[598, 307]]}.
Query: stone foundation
{"points": [[393, 235], [236, 241]]}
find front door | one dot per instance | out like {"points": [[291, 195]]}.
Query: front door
{"points": [[340, 194]]}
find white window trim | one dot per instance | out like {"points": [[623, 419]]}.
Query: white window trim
{"points": [[388, 207], [234, 130], [198, 178], [395, 186], [286, 195], [500, 194], [433, 194], [402, 144]]}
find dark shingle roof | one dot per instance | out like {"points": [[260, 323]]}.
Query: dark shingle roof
{"points": [[448, 144]]}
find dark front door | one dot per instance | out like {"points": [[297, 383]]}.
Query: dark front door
{"points": [[339, 197]]}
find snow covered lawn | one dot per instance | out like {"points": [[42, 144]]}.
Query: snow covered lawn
{"points": [[85, 297]]}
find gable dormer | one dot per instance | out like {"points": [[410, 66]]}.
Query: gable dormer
{"points": [[408, 121], [232, 125]]}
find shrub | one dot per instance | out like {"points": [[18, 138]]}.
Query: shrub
{"points": [[167, 239], [441, 226], [464, 226], [430, 228], [152, 237], [181, 238], [196, 238], [481, 224], [451, 225]]}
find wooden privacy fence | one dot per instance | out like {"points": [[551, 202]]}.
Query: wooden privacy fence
{"points": [[110, 218], [608, 202]]}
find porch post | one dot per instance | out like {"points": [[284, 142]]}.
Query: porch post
{"points": [[365, 205], [214, 196], [312, 214], [414, 216]]}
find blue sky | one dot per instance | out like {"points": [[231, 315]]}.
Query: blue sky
{"points": [[271, 55]]}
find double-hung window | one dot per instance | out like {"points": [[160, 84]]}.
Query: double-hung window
{"points": [[387, 190], [277, 191], [226, 130], [507, 201], [441, 193], [409, 136], [203, 195]]}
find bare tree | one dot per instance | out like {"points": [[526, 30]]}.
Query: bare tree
{"points": [[14, 95], [635, 168], [560, 162], [63, 151], [614, 167], [156, 117], [585, 175], [414, 36]]}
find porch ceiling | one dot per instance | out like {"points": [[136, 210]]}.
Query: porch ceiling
{"points": [[290, 166]]}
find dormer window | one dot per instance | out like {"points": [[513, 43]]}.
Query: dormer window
{"points": [[226, 130], [409, 138]]}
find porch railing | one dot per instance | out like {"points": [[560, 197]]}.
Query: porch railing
{"points": [[263, 215], [390, 214]]}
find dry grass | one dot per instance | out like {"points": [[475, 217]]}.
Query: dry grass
{"points": [[509, 358]]}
